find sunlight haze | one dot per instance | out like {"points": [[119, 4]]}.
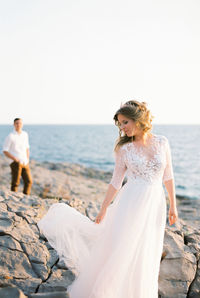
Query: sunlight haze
{"points": [[71, 62]]}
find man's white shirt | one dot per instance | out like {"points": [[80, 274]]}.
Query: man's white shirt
{"points": [[17, 144]]}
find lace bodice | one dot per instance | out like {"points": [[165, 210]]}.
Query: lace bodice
{"points": [[143, 164]]}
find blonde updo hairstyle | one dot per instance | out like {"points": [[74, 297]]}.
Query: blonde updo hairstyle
{"points": [[139, 113]]}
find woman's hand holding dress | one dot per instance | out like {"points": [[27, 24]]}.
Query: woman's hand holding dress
{"points": [[100, 216]]}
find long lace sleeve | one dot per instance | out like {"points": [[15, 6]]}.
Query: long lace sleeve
{"points": [[119, 170], [168, 172]]}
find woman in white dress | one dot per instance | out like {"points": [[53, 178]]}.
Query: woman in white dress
{"points": [[118, 255]]}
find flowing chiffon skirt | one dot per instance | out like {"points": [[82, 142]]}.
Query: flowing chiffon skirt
{"points": [[120, 257]]}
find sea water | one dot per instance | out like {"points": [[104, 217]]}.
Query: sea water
{"points": [[92, 146]]}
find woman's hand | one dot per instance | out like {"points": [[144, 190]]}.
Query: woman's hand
{"points": [[100, 216], [173, 215]]}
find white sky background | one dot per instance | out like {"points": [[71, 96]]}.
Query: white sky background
{"points": [[76, 61]]}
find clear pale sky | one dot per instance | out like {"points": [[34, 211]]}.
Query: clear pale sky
{"points": [[70, 61]]}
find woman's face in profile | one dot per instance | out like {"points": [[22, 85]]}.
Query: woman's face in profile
{"points": [[127, 125]]}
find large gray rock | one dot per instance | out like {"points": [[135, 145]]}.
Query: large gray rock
{"points": [[53, 257], [15, 264], [194, 290], [194, 241], [26, 285], [38, 256], [58, 281], [9, 242], [11, 292], [178, 267], [6, 224]]}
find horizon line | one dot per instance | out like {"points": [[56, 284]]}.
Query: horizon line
{"points": [[24, 124]]}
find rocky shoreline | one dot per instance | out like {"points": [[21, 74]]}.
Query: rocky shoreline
{"points": [[29, 267]]}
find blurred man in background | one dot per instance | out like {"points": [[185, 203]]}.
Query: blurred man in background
{"points": [[16, 147]]}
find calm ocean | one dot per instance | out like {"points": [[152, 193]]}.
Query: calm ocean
{"points": [[92, 146]]}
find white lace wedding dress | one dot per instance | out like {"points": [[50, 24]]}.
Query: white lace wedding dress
{"points": [[120, 257]]}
